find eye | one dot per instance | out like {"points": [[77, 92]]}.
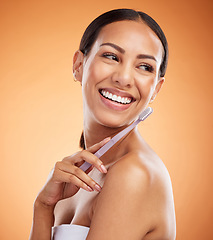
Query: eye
{"points": [[146, 67], [111, 56]]}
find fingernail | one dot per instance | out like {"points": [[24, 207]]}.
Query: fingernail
{"points": [[89, 189], [106, 139], [104, 170], [97, 187]]}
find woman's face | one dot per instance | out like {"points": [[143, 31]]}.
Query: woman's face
{"points": [[120, 74]]}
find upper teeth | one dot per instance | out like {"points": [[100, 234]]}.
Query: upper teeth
{"points": [[116, 98]]}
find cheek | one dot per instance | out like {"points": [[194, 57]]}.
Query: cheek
{"points": [[96, 72], [146, 87]]}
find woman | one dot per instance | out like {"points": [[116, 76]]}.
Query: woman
{"points": [[126, 194]]}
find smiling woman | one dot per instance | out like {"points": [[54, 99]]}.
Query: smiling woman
{"points": [[121, 65], [133, 69]]}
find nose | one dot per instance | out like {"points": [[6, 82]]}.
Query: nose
{"points": [[123, 76]]}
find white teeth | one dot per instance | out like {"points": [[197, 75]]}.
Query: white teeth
{"points": [[113, 97], [128, 100]]}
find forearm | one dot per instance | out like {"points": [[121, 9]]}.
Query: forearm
{"points": [[43, 220]]}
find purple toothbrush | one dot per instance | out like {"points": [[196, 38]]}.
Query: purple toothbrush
{"points": [[118, 136]]}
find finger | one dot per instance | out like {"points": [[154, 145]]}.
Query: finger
{"points": [[79, 158], [81, 175], [70, 178], [87, 170], [94, 148], [93, 160]]}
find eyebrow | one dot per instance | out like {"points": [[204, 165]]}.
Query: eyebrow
{"points": [[142, 56], [121, 50]]}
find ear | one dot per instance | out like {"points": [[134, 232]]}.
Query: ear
{"points": [[157, 88], [78, 59]]}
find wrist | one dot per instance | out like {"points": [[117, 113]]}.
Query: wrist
{"points": [[43, 206], [43, 220]]}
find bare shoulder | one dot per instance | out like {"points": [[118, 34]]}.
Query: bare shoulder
{"points": [[146, 171], [138, 189]]}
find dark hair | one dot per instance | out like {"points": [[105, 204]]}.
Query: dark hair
{"points": [[91, 33], [82, 142]]}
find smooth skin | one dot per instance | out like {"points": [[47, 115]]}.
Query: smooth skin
{"points": [[132, 198]]}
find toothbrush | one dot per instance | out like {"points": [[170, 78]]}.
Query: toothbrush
{"points": [[117, 137]]}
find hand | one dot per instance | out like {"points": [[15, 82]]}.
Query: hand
{"points": [[67, 178]]}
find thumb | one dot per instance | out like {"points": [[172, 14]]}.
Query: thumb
{"points": [[94, 148]]}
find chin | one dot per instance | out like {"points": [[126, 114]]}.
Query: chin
{"points": [[113, 120]]}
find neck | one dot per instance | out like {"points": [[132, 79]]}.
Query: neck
{"points": [[96, 133]]}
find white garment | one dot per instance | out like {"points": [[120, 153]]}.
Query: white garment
{"points": [[69, 232]]}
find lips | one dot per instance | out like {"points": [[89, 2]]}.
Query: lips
{"points": [[117, 96]]}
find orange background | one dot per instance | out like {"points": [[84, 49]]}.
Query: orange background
{"points": [[41, 106]]}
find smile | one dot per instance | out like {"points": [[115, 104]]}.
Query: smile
{"points": [[116, 98]]}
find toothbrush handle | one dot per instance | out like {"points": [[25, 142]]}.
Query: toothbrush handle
{"points": [[98, 154], [85, 166], [109, 144], [117, 137]]}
